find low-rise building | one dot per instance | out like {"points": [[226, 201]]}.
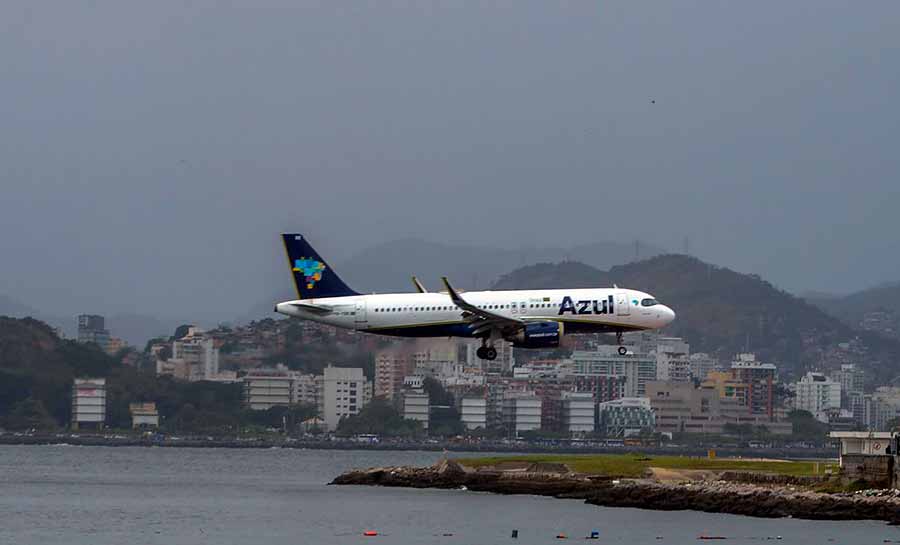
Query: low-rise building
{"points": [[683, 408], [143, 415], [266, 389], [626, 417], [868, 456]]}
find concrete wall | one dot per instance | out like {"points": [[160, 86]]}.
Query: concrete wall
{"points": [[877, 470]]}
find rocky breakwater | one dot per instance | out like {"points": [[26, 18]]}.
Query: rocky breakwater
{"points": [[750, 500], [713, 496]]}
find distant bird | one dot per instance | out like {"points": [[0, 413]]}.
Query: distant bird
{"points": [[652, 102]]}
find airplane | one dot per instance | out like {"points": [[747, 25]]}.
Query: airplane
{"points": [[526, 318]]}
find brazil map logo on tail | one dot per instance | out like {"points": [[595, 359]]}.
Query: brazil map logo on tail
{"points": [[311, 269]]}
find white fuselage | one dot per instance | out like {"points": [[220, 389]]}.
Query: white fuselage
{"points": [[434, 314]]}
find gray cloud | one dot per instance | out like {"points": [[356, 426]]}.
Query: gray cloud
{"points": [[150, 153]]}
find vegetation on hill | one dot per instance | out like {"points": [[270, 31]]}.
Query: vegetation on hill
{"points": [[37, 369], [719, 311]]}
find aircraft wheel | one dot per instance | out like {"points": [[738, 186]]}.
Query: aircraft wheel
{"points": [[622, 350], [481, 353], [491, 353]]}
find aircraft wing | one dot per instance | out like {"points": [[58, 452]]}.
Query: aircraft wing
{"points": [[482, 319]]}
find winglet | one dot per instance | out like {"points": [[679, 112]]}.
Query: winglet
{"points": [[419, 287], [452, 292]]}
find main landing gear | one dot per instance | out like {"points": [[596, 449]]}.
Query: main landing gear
{"points": [[619, 340], [486, 352]]}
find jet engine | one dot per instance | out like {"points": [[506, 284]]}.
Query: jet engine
{"points": [[538, 335]]}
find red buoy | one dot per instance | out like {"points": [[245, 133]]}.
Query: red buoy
{"points": [[370, 533]]}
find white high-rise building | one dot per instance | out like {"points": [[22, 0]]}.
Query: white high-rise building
{"points": [[578, 412], [88, 402], [199, 354], [638, 368], [521, 412], [701, 365], [345, 391], [818, 394], [416, 406], [673, 359], [473, 412]]}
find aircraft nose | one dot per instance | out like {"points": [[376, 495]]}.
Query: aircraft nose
{"points": [[667, 315]]}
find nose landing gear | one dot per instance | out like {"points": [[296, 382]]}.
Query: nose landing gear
{"points": [[619, 340]]}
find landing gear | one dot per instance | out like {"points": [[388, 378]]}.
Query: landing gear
{"points": [[486, 353], [619, 340]]}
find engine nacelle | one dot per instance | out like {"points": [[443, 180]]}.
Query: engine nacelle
{"points": [[538, 335]]}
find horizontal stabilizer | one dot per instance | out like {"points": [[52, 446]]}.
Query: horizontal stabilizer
{"points": [[309, 307]]}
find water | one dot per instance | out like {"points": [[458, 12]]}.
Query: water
{"points": [[100, 495]]}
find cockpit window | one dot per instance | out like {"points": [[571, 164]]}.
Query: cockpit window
{"points": [[649, 302]]}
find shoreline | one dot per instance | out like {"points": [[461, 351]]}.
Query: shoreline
{"points": [[710, 496], [487, 447]]}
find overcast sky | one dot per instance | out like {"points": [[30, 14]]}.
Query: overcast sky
{"points": [[151, 152]]}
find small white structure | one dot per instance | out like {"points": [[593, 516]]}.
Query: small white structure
{"points": [[88, 402], [865, 443], [144, 415], [473, 412]]}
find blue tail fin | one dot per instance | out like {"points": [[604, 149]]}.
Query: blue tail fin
{"points": [[313, 278]]}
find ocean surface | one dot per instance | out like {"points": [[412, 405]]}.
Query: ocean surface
{"points": [[174, 496]]}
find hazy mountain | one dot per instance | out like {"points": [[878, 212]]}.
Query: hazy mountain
{"points": [[16, 309], [718, 310], [387, 267], [852, 308], [135, 329]]}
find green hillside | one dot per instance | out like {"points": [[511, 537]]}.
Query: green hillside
{"points": [[37, 369], [719, 310]]}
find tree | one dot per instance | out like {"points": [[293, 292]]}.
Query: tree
{"points": [[30, 413], [437, 394], [806, 427], [379, 418]]}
